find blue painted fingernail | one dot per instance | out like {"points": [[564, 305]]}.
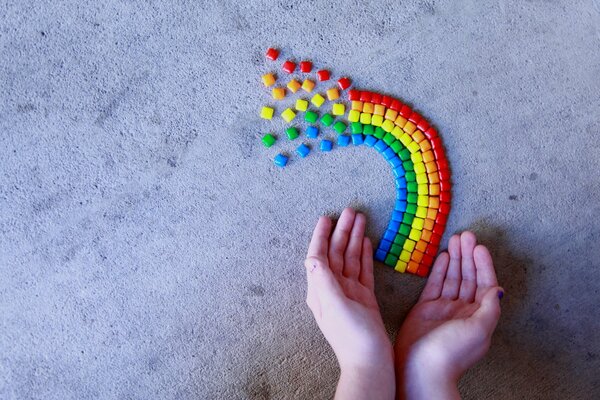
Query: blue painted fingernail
{"points": [[500, 294]]}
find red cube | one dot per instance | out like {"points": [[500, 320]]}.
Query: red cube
{"points": [[344, 83], [405, 111], [272, 54], [441, 219], [436, 238], [396, 105], [445, 186], [323, 75], [386, 101], [431, 250], [427, 259], [430, 133], [354, 95], [444, 209], [423, 125], [289, 66], [365, 97], [445, 197], [376, 98], [438, 229], [444, 174], [305, 66], [423, 270], [415, 117]]}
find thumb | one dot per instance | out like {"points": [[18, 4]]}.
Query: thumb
{"points": [[488, 313], [321, 281]]}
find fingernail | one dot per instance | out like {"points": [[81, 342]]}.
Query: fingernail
{"points": [[314, 266], [500, 294]]}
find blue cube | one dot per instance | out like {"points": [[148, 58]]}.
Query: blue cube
{"points": [[398, 172], [400, 183], [394, 226], [380, 255], [401, 194], [381, 146], [312, 132], [343, 140], [390, 235], [395, 161], [303, 150], [389, 153], [326, 145], [397, 216], [370, 140], [281, 160], [385, 245], [400, 206], [357, 139]]}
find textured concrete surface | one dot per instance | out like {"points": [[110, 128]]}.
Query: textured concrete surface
{"points": [[150, 249]]}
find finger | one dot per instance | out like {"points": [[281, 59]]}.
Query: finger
{"points": [[468, 283], [339, 240], [320, 239], [435, 282], [453, 275], [321, 282], [486, 275], [366, 269], [354, 249], [488, 313]]}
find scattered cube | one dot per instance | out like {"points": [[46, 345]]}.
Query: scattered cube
{"points": [[289, 66], [272, 54], [294, 85], [268, 79], [338, 109], [303, 150], [333, 94], [301, 105], [339, 127], [327, 119], [268, 140], [323, 75], [312, 132], [344, 83], [288, 115], [281, 160], [308, 85], [305, 66], [317, 100], [326, 145], [266, 112], [292, 133], [278, 93], [311, 116]]}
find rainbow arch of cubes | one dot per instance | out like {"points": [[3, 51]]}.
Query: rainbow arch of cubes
{"points": [[413, 149]]}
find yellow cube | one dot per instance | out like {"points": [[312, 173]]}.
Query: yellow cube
{"points": [[301, 105], [413, 147], [317, 100], [401, 266], [354, 116], [405, 139], [397, 132], [376, 120], [409, 127], [288, 115], [387, 125], [368, 108], [400, 121], [365, 118], [268, 79], [266, 113], [419, 168], [278, 93], [409, 245], [423, 201], [333, 94], [422, 178], [337, 108], [415, 234], [422, 189], [416, 157], [294, 86], [405, 255], [391, 114], [357, 105], [421, 212], [379, 109], [308, 85]]}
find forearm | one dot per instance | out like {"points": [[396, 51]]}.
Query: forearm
{"points": [[416, 379], [373, 382]]}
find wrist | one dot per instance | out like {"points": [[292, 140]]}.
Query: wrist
{"points": [[374, 380]]}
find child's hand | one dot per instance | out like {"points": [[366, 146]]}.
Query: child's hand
{"points": [[450, 328], [340, 294]]}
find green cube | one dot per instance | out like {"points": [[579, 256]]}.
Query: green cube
{"points": [[395, 250], [292, 133], [379, 132], [408, 165], [339, 127], [389, 139], [391, 260], [400, 239], [327, 119], [268, 140], [368, 129], [404, 154], [397, 147], [410, 176], [411, 187], [356, 127], [404, 230], [311, 116], [411, 209], [408, 219]]}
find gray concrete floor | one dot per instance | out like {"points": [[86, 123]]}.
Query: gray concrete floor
{"points": [[150, 249]]}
